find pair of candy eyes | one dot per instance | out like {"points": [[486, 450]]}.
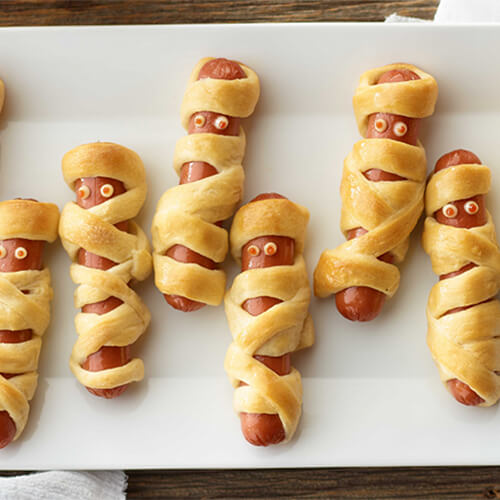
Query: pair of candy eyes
{"points": [[106, 191], [450, 210], [399, 128], [20, 253], [221, 122], [269, 249]]}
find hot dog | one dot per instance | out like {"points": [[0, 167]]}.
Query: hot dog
{"points": [[363, 303], [467, 213], [267, 251], [213, 148], [389, 105], [199, 123], [462, 313], [22, 217], [108, 250], [261, 429], [11, 263], [89, 193]]}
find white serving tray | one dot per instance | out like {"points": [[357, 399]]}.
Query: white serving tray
{"points": [[372, 395]]}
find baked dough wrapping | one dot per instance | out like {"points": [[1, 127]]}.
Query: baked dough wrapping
{"points": [[387, 210], [2, 94], [464, 344], [22, 311], [93, 229], [186, 214], [285, 327]]}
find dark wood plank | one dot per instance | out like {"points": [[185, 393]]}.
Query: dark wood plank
{"points": [[383, 483], [416, 483], [81, 12]]}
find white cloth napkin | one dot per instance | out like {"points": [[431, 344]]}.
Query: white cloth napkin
{"points": [[65, 485], [459, 11], [468, 11]]}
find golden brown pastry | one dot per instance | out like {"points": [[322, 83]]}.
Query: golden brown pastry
{"points": [[25, 295], [267, 311], [382, 190], [463, 314], [108, 250], [2, 94], [189, 242]]}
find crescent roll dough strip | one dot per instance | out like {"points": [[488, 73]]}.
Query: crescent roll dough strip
{"points": [[464, 344], [186, 214], [22, 311], [285, 327], [387, 210], [93, 230], [2, 94]]}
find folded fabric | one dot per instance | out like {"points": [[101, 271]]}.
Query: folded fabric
{"points": [[458, 11], [465, 11], [65, 485]]}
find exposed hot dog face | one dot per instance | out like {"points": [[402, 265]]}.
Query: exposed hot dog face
{"points": [[463, 213], [208, 122], [466, 213], [395, 127], [20, 254], [212, 123], [91, 191], [363, 303]]}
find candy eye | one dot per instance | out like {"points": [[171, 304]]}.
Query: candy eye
{"points": [[471, 207], [21, 253], [380, 125], [199, 121], [270, 248], [400, 129], [450, 211], [107, 190], [221, 122], [253, 250], [3, 252], [83, 192]]}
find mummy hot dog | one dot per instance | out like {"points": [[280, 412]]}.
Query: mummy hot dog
{"points": [[188, 241], [25, 295], [108, 250], [462, 313], [382, 190], [267, 311]]}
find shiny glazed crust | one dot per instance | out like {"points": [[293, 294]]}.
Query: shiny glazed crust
{"points": [[387, 210], [94, 230], [464, 344], [285, 327], [22, 311], [2, 94], [186, 214]]}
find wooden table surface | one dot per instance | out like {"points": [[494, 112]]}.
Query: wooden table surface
{"points": [[380, 483]]}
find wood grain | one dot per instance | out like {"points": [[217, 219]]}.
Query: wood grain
{"points": [[81, 12], [380, 483], [440, 483]]}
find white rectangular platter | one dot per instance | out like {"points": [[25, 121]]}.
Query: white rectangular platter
{"points": [[372, 395]]}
